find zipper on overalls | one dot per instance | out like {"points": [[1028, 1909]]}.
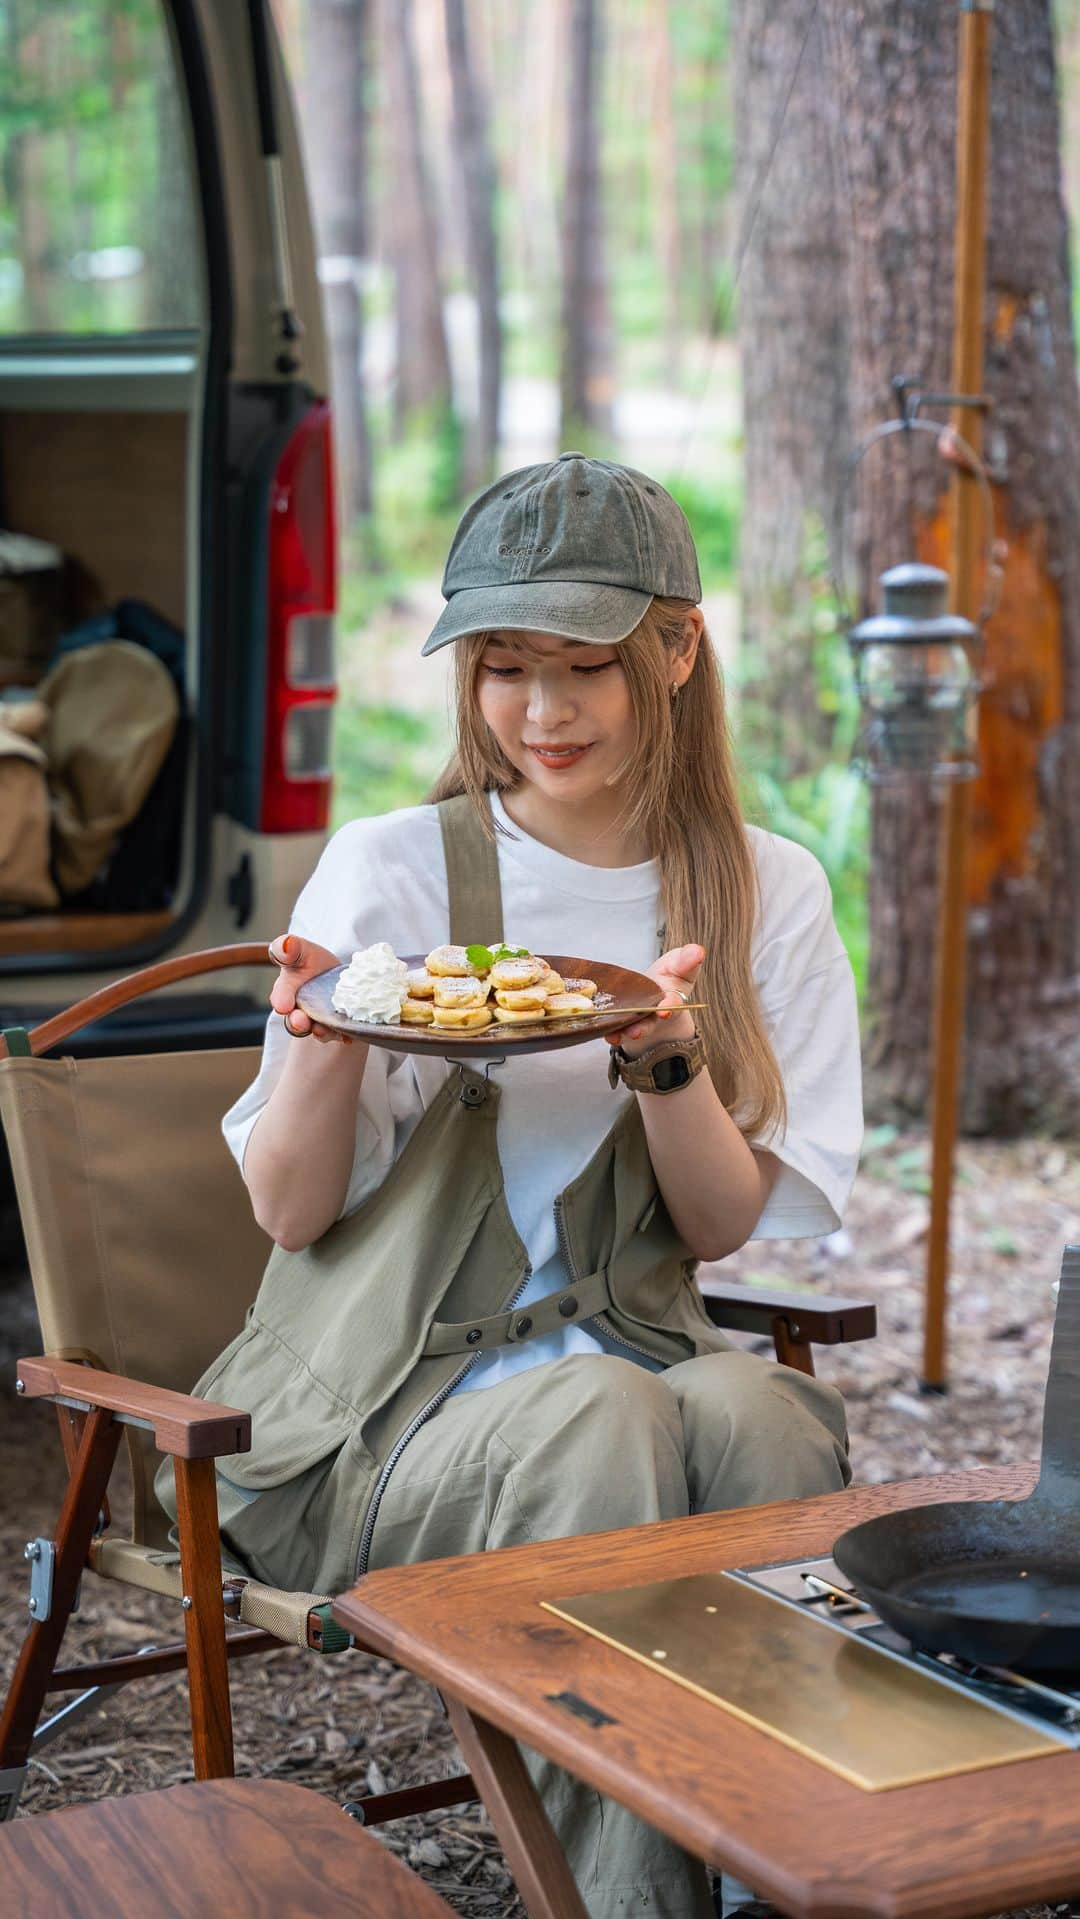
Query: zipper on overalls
{"points": [[413, 1428], [468, 1099], [608, 1331]]}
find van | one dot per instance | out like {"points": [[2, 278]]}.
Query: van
{"points": [[165, 427]]}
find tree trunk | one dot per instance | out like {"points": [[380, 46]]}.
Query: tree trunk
{"points": [[335, 102], [423, 385], [893, 72], [586, 382], [478, 175], [665, 171], [793, 333]]}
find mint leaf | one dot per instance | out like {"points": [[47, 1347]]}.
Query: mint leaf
{"points": [[480, 956], [502, 951]]}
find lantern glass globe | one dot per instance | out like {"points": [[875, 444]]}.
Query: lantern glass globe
{"points": [[935, 678]]}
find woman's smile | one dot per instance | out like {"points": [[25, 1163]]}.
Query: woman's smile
{"points": [[558, 757]]}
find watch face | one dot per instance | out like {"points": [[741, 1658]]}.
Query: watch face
{"points": [[668, 1074]]}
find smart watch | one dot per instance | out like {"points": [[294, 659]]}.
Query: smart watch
{"points": [[664, 1068]]}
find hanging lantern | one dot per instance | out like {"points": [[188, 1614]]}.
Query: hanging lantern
{"points": [[916, 681]]}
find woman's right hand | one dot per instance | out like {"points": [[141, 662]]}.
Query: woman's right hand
{"points": [[299, 961]]}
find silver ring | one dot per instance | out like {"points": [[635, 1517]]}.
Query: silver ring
{"points": [[685, 997], [288, 1028]]}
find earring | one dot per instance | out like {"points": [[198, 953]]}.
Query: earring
{"points": [[674, 689]]}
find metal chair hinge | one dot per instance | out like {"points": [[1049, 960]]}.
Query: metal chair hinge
{"points": [[12, 1780], [42, 1555]]}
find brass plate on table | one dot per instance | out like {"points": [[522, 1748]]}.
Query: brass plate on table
{"points": [[842, 1703], [621, 987]]}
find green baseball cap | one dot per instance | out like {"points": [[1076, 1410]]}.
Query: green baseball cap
{"points": [[576, 546]]}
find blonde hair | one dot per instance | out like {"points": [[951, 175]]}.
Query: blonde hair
{"points": [[681, 795]]}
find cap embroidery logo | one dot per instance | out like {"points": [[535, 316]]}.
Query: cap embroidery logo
{"points": [[517, 552]]}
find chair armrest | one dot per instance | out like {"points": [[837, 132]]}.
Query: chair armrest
{"points": [[188, 1428], [812, 1318]]}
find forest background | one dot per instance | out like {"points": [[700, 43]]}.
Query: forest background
{"points": [[700, 238]]}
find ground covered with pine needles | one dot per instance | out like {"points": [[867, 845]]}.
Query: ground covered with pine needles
{"points": [[354, 1724]]}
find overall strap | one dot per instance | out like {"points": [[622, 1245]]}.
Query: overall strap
{"points": [[472, 874], [582, 1298]]}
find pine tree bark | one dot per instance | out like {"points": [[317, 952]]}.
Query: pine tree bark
{"points": [[793, 333], [585, 384], [667, 219], [471, 139], [423, 384], [892, 68], [338, 55]]}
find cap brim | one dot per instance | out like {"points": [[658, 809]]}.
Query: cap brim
{"points": [[599, 615]]}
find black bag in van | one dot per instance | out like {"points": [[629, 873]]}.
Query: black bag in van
{"points": [[143, 868]]}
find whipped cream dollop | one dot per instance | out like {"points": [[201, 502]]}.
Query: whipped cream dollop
{"points": [[372, 986]]}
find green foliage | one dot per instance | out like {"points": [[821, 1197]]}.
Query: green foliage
{"points": [[638, 297], [410, 532], [877, 1138], [824, 807], [444, 436], [714, 514], [911, 1169], [828, 813], [92, 158], [383, 757]]}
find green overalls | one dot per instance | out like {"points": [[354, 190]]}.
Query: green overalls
{"points": [[353, 1346], [354, 1342]]}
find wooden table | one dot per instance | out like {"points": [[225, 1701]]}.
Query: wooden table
{"points": [[244, 1848], [820, 1848]]}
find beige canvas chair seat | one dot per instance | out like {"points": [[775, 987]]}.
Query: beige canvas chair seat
{"points": [[285, 1614], [145, 1256]]}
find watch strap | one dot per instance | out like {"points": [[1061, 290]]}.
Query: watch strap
{"points": [[637, 1073]]}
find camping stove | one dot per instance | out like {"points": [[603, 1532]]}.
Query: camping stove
{"points": [[816, 1586]]}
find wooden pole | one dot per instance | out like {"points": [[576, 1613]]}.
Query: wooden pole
{"points": [[973, 150]]}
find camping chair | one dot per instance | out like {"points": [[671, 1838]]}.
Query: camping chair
{"points": [[145, 1256]]}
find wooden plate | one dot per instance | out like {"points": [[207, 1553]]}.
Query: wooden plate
{"points": [[626, 989]]}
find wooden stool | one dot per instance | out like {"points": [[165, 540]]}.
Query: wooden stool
{"points": [[244, 1847]]}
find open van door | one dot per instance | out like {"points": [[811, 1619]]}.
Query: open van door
{"points": [[165, 434]]}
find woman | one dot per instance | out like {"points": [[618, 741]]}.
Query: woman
{"points": [[480, 1323]]}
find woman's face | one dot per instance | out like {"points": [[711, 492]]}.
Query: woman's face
{"points": [[561, 712]]}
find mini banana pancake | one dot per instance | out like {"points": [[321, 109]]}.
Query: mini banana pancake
{"points": [[586, 986], [551, 983], [567, 1005], [461, 1016], [511, 1016], [460, 992], [450, 962], [417, 1012], [419, 983], [516, 973], [525, 999]]}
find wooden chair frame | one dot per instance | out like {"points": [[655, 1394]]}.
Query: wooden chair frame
{"points": [[94, 1406]]}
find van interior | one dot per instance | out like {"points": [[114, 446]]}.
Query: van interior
{"points": [[101, 332], [109, 490]]}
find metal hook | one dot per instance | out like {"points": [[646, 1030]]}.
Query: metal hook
{"points": [[471, 1094], [910, 398]]}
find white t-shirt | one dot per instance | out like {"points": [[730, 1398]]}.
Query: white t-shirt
{"points": [[385, 879]]}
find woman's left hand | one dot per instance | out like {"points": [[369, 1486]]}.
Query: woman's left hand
{"points": [[675, 973]]}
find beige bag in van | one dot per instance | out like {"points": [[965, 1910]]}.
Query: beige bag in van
{"points": [[113, 711], [25, 880]]}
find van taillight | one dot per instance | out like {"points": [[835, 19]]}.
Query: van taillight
{"points": [[301, 600]]}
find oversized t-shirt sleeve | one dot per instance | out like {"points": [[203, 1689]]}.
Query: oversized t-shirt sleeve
{"points": [[807, 996], [338, 908]]}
